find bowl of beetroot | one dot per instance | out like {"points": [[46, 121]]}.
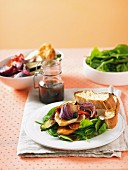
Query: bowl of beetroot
{"points": [[18, 71], [15, 73]]}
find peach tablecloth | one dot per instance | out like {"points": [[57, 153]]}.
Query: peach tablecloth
{"points": [[12, 104]]}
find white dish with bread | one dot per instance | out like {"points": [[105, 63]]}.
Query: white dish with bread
{"points": [[91, 120]]}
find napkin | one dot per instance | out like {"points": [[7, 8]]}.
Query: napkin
{"points": [[28, 148]]}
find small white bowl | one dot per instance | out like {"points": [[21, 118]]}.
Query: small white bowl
{"points": [[22, 82], [17, 83], [105, 78]]}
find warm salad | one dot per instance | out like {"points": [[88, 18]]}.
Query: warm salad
{"points": [[73, 122]]}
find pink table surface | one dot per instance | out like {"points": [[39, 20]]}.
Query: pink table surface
{"points": [[12, 104]]}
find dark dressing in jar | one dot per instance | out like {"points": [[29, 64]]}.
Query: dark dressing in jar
{"points": [[51, 87], [51, 91]]}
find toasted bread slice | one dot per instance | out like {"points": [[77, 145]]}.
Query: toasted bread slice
{"points": [[100, 100], [111, 117]]}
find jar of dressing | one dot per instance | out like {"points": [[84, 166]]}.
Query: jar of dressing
{"points": [[51, 87]]}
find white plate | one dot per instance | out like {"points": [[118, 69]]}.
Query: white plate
{"points": [[32, 129], [105, 78]]}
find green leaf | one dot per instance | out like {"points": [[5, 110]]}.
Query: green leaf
{"points": [[90, 132], [48, 115], [95, 53], [47, 124], [85, 123], [104, 65], [97, 125], [95, 63], [122, 67], [40, 123], [102, 128], [53, 130], [122, 49], [63, 137], [94, 120], [80, 134]]}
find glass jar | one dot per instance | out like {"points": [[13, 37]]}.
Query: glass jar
{"points": [[51, 87]]}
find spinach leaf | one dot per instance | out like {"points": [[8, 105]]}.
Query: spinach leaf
{"points": [[85, 123], [90, 132], [122, 49], [80, 134], [95, 53], [64, 137], [40, 123], [94, 120], [48, 115], [53, 130], [102, 129], [97, 125], [113, 60]]}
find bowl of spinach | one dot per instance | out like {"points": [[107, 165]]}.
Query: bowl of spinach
{"points": [[109, 66]]}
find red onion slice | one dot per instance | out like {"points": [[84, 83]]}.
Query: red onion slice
{"points": [[88, 107], [68, 110]]}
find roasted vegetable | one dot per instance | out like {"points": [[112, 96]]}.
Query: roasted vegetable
{"points": [[17, 63], [47, 124], [88, 109], [48, 120], [8, 71], [23, 73], [33, 66], [68, 111]]}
